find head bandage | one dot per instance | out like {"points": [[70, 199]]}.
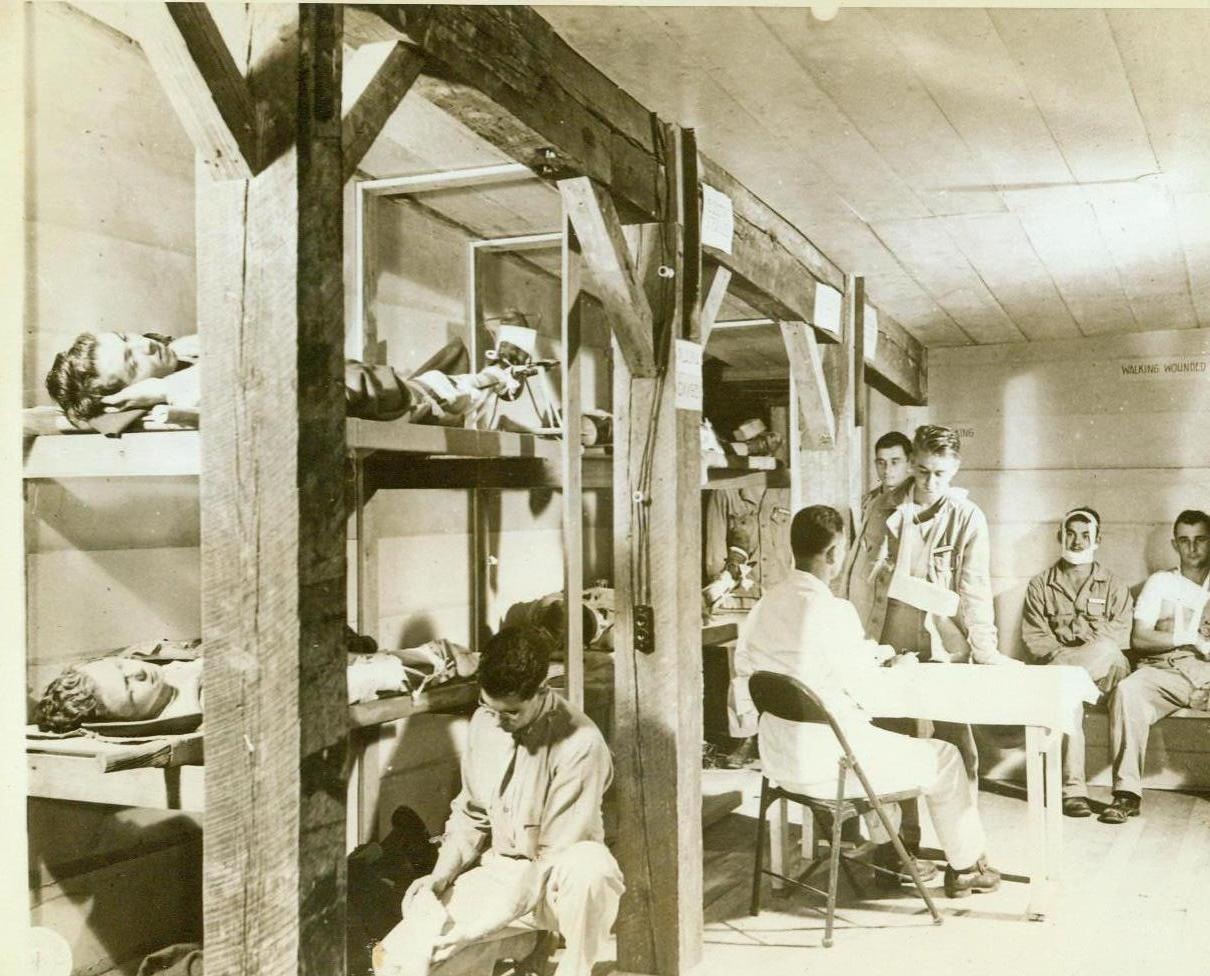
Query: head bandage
{"points": [[1081, 557], [1084, 514]]}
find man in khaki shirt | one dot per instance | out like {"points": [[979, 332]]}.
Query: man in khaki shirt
{"points": [[524, 840]]}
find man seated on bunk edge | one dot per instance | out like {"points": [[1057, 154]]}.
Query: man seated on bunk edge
{"points": [[524, 841], [118, 372], [801, 629]]}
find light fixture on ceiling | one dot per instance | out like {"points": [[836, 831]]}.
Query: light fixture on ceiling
{"points": [[825, 11]]}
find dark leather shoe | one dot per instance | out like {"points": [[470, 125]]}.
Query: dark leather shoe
{"points": [[974, 880], [1124, 805], [1076, 806], [894, 872]]}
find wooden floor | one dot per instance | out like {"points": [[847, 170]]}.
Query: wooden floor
{"points": [[1135, 900]]}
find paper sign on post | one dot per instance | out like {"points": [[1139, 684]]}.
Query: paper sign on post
{"points": [[718, 219], [688, 375], [870, 333], [827, 309]]}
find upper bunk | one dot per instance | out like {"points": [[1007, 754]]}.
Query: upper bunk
{"points": [[396, 454]]}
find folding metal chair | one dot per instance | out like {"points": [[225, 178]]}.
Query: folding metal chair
{"points": [[791, 700]]}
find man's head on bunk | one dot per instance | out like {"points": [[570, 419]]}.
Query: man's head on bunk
{"points": [[84, 379], [512, 673], [109, 689]]}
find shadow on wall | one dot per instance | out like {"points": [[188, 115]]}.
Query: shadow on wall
{"points": [[118, 883]]}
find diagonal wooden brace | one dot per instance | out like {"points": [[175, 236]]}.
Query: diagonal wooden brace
{"points": [[604, 248], [719, 281], [810, 386], [377, 77], [206, 87]]}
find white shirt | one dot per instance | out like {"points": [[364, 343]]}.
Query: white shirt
{"points": [[1169, 595], [801, 629]]}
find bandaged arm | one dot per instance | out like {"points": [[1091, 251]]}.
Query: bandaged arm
{"points": [[1150, 633]]}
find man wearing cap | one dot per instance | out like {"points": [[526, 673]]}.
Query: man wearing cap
{"points": [[1078, 613]]}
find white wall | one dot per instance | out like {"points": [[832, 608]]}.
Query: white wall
{"points": [[1111, 422]]}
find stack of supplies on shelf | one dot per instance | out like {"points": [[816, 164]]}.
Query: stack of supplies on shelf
{"points": [[753, 439]]}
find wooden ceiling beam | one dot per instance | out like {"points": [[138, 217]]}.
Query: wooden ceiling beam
{"points": [[899, 368], [377, 77], [603, 244], [203, 83], [505, 74]]}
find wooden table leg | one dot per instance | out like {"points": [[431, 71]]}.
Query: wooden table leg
{"points": [[1054, 806], [1035, 786]]}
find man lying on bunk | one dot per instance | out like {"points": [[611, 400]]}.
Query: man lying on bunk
{"points": [[799, 628], [121, 687], [114, 372], [524, 840]]}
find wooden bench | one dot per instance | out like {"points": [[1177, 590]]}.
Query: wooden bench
{"points": [[1178, 751]]}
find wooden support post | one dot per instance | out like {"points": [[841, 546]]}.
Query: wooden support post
{"points": [[573, 475], [367, 207], [270, 312], [855, 286], [715, 292], [203, 82], [376, 79], [658, 696], [599, 232]]}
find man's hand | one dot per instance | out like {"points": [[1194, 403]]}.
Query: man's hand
{"points": [[436, 883], [884, 654], [145, 393], [498, 379]]}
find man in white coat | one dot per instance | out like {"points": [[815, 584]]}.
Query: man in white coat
{"points": [[800, 628]]}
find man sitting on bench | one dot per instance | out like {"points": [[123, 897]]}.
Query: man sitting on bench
{"points": [[1174, 665], [1078, 613], [525, 835]]}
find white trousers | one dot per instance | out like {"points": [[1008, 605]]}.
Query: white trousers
{"points": [[894, 763], [577, 897]]}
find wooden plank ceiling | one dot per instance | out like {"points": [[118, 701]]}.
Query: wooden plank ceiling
{"points": [[997, 175]]}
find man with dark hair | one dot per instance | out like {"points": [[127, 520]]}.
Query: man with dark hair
{"points": [[115, 371], [1078, 613], [799, 628], [1174, 659], [892, 461], [525, 833]]}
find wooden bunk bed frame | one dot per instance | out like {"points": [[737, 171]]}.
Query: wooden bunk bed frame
{"points": [[274, 152]]}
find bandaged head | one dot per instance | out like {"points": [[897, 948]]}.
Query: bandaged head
{"points": [[1085, 554]]}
